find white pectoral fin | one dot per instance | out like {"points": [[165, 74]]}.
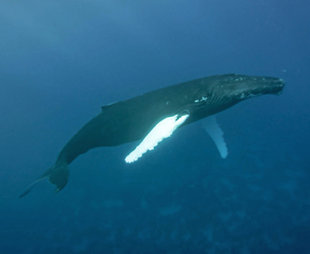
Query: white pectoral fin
{"points": [[214, 130], [161, 131]]}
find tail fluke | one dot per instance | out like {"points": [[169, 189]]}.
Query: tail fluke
{"points": [[30, 187], [57, 175]]}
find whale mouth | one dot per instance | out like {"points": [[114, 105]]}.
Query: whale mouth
{"points": [[275, 85]]}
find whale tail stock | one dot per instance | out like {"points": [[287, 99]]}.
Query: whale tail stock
{"points": [[57, 175]]}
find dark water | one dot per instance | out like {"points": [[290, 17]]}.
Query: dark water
{"points": [[61, 60]]}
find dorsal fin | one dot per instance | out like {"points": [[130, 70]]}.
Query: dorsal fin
{"points": [[104, 107]]}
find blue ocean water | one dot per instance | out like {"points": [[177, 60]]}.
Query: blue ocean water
{"points": [[60, 61]]}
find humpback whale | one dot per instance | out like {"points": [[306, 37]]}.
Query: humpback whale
{"points": [[155, 115]]}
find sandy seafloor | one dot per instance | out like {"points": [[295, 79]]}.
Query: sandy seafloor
{"points": [[60, 61]]}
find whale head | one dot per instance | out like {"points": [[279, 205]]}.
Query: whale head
{"points": [[221, 92], [237, 88], [241, 87], [232, 88]]}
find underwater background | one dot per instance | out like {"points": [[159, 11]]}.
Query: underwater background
{"points": [[60, 61]]}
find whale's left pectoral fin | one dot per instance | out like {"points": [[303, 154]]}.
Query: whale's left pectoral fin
{"points": [[211, 126], [161, 131]]}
